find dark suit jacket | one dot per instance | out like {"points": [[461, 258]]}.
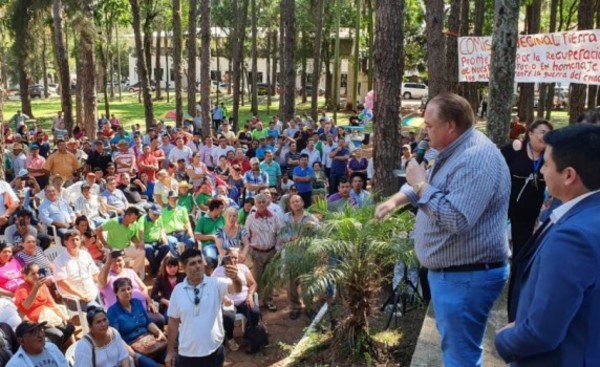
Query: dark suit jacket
{"points": [[558, 315]]}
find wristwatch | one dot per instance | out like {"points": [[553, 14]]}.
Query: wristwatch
{"points": [[418, 187]]}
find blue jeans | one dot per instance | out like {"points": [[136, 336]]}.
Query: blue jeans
{"points": [[155, 253], [176, 237], [462, 302], [211, 255]]}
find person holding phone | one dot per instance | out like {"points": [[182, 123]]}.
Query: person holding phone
{"points": [[34, 300]]}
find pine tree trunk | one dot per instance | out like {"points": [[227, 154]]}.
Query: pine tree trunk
{"points": [[141, 63], [352, 103], [502, 73], [274, 64], [585, 20], [167, 68], [88, 69], [548, 100], [468, 90], [316, 74], [303, 75], [205, 67], [62, 59], [177, 57], [157, 76], [527, 90], [268, 68], [434, 13], [289, 54], [44, 66], [370, 39], [452, 46], [79, 90], [282, 75], [254, 104], [336, 61], [191, 57], [389, 52], [239, 21]]}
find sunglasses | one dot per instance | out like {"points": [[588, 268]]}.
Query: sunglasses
{"points": [[92, 312], [196, 297]]}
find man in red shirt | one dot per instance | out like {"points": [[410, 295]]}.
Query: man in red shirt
{"points": [[148, 163]]}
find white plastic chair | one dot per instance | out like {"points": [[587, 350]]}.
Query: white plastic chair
{"points": [[241, 317], [70, 354], [53, 252], [57, 240]]}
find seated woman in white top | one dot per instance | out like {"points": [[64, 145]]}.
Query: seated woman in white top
{"points": [[103, 346]]}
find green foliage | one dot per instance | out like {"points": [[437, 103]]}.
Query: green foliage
{"points": [[354, 251]]}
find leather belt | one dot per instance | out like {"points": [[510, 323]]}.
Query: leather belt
{"points": [[261, 250], [471, 267]]}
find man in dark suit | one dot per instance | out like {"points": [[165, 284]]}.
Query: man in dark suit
{"points": [[558, 312]]}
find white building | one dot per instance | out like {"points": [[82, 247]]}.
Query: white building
{"points": [[220, 66]]}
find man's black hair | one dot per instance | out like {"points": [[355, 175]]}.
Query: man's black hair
{"points": [[188, 254], [577, 146], [343, 180], [133, 210], [24, 213], [214, 204], [304, 155]]}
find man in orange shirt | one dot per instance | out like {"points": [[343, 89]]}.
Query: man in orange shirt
{"points": [[62, 162]]}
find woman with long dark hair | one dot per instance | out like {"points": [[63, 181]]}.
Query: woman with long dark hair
{"points": [[525, 160], [164, 283]]}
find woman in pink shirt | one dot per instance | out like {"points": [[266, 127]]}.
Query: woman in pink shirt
{"points": [[10, 271]]}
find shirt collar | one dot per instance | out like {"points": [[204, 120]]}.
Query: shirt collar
{"points": [[566, 207], [457, 143], [266, 214]]}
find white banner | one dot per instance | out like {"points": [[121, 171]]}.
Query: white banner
{"points": [[563, 57]]}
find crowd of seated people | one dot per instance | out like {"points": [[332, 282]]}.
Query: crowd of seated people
{"points": [[85, 221]]}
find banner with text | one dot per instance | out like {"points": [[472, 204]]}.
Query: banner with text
{"points": [[563, 57]]}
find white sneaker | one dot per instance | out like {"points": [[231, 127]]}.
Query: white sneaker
{"points": [[232, 345]]}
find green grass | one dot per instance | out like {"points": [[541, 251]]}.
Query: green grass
{"points": [[130, 111]]}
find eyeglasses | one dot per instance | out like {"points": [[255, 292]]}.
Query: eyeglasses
{"points": [[541, 132]]}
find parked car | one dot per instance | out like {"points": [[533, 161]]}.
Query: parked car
{"points": [[35, 91], [309, 89], [414, 90], [136, 86], [263, 88]]}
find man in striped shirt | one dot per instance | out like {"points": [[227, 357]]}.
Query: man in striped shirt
{"points": [[460, 231], [263, 227]]}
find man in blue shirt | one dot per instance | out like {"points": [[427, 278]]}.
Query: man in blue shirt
{"points": [[303, 176], [460, 230], [339, 160], [217, 115]]}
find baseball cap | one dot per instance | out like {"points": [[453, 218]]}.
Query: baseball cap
{"points": [[173, 194], [17, 146], [254, 160], [293, 187], [27, 327], [155, 209], [90, 174], [34, 147], [23, 172], [123, 141]]}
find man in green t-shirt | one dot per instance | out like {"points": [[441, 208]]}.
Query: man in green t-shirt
{"points": [[152, 231], [122, 232], [177, 224], [206, 230], [204, 196], [186, 199]]}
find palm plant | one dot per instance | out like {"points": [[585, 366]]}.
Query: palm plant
{"points": [[354, 251]]}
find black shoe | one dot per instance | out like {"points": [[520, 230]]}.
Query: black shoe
{"points": [[294, 314]]}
